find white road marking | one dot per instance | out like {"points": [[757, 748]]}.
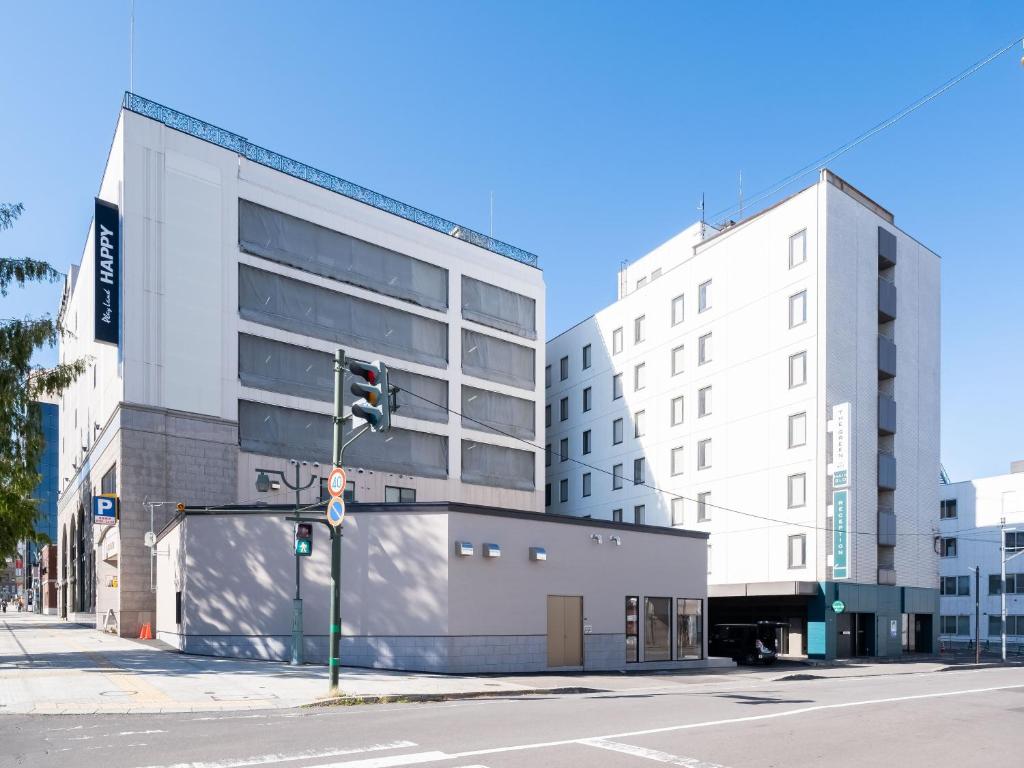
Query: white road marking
{"points": [[650, 754], [427, 757], [309, 754], [137, 733]]}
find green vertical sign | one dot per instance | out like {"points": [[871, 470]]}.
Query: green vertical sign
{"points": [[840, 534]]}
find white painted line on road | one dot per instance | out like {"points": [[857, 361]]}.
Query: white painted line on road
{"points": [[137, 733], [428, 757], [649, 754], [309, 754]]}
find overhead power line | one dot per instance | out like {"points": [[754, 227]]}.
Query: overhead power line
{"points": [[888, 122], [671, 494]]}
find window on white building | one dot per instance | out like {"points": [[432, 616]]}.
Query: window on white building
{"points": [[961, 585], [587, 400], [704, 454], [617, 477], [798, 249], [639, 377], [703, 507], [563, 368], [677, 460], [563, 490], [704, 401], [586, 441], [586, 484], [677, 410], [798, 309], [704, 349], [616, 515], [616, 431], [547, 376], [547, 415], [616, 386], [677, 511], [797, 370], [395, 495], [639, 423], [677, 310], [947, 547], [704, 296], [638, 472], [563, 409], [797, 490], [677, 360], [547, 455], [947, 509], [563, 449], [547, 495], [638, 329], [586, 357], [639, 512], [616, 341], [798, 551], [797, 430]]}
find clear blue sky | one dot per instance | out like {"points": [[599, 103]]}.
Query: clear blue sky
{"points": [[597, 125]]}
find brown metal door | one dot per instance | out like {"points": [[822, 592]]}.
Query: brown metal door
{"points": [[565, 631]]}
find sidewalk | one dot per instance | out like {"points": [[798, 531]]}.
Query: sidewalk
{"points": [[48, 666]]}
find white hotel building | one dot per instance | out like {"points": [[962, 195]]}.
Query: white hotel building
{"points": [[971, 516], [703, 398]]}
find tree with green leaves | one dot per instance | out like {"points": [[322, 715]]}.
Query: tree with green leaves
{"points": [[21, 384]]}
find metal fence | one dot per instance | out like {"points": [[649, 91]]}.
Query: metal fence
{"points": [[239, 144]]}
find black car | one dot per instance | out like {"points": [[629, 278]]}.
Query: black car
{"points": [[745, 643]]}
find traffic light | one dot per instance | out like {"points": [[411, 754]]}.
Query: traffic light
{"points": [[371, 386], [304, 539]]}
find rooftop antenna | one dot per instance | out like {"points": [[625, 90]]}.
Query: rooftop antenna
{"points": [[701, 209], [131, 52], [492, 213], [741, 196]]}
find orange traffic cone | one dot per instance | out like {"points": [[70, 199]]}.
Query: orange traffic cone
{"points": [[146, 633]]}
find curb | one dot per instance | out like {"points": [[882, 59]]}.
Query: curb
{"points": [[415, 698]]}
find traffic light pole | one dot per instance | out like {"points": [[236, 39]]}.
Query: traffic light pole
{"points": [[333, 660]]}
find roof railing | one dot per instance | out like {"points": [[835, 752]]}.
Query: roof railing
{"points": [[200, 129]]}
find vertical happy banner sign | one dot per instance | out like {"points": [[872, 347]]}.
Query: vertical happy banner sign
{"points": [[107, 277], [840, 491]]}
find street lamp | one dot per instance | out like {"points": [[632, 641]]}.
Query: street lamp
{"points": [[263, 484], [1003, 560]]}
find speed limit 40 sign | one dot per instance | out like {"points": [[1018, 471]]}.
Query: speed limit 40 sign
{"points": [[336, 482]]}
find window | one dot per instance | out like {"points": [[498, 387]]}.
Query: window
{"points": [[616, 386], [547, 376], [349, 495], [395, 495], [677, 360], [657, 629], [798, 249], [677, 460], [177, 607], [704, 401], [563, 490], [563, 449], [704, 349], [547, 495], [947, 509], [616, 431], [641, 282], [547, 455], [1014, 540], [677, 410], [617, 516], [639, 423], [109, 482], [704, 296], [677, 511], [94, 377], [955, 625], [563, 409], [563, 368], [638, 471], [638, 514], [586, 484], [677, 310], [586, 357], [617, 477], [797, 490], [798, 551], [961, 585], [587, 400], [616, 341], [709, 557], [656, 274], [1014, 584], [586, 441], [797, 430], [689, 629], [547, 415], [638, 329], [1014, 626], [797, 370], [947, 547], [798, 309], [639, 377], [704, 454], [704, 507]]}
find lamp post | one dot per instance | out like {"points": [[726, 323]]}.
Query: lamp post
{"points": [[1003, 560], [263, 485]]}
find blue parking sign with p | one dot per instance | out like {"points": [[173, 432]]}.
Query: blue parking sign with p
{"points": [[104, 509]]}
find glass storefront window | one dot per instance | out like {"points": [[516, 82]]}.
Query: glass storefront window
{"points": [[657, 628], [689, 629], [632, 629]]}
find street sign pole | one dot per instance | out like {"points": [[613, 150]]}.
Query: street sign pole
{"points": [[335, 631]]}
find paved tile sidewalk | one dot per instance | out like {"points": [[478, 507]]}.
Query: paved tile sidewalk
{"points": [[50, 666]]}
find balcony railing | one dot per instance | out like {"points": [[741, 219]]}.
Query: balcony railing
{"points": [[886, 415], [886, 358], [887, 471], [242, 146], [886, 300]]}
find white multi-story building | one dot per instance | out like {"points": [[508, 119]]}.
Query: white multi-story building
{"points": [[971, 515], [713, 393], [215, 286]]}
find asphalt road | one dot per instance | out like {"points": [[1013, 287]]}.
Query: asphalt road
{"points": [[960, 718]]}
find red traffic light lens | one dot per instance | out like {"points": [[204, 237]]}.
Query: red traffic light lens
{"points": [[371, 376]]}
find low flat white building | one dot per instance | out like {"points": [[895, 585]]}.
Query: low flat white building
{"points": [[746, 383], [971, 514], [215, 285]]}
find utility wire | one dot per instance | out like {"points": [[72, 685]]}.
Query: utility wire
{"points": [[888, 122], [671, 494]]}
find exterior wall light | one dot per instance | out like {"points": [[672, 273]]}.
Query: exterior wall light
{"points": [[491, 550], [262, 482], [615, 540], [538, 554], [596, 537], [464, 548]]}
